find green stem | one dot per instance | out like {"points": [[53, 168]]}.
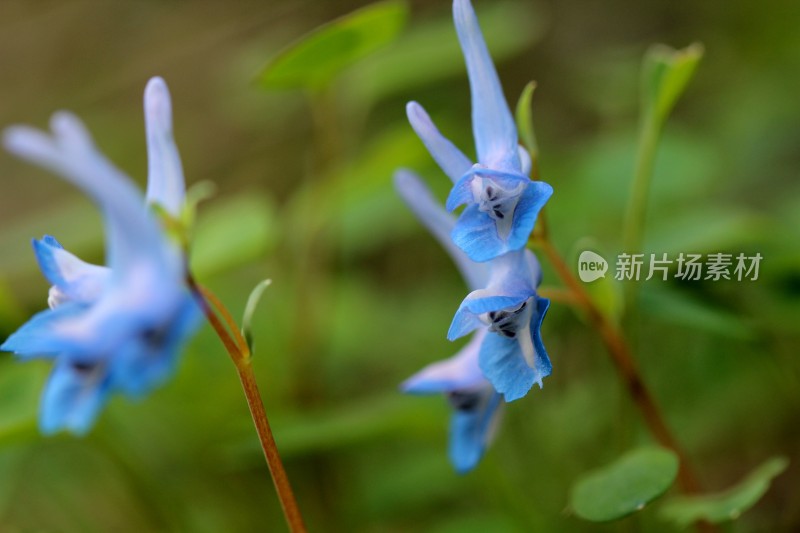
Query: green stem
{"points": [[625, 364], [239, 352], [640, 191]]}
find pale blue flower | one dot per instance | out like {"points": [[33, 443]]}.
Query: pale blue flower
{"points": [[501, 201], [119, 327], [513, 357], [476, 405]]}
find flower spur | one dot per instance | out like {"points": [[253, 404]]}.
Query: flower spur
{"points": [[114, 328], [502, 202]]}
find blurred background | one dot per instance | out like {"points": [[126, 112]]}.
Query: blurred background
{"points": [[362, 296]]}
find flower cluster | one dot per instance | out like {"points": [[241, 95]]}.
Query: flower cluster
{"points": [[505, 356], [119, 327]]}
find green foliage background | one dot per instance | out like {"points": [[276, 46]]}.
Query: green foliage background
{"points": [[362, 296]]}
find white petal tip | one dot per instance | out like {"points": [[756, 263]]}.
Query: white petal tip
{"points": [[417, 116], [12, 136], [64, 122], [157, 103], [26, 142], [69, 129]]}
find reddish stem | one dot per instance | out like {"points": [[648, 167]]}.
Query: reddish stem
{"points": [[237, 348]]}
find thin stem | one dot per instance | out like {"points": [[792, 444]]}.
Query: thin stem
{"points": [[559, 295], [240, 354], [640, 191], [241, 346], [288, 502], [625, 363]]}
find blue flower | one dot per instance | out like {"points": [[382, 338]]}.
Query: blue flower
{"points": [[512, 357], [476, 405], [118, 327], [502, 202]]}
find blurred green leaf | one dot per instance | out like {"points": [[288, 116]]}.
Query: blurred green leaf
{"points": [[318, 57], [429, 51], [418, 477], [625, 486], [680, 309], [524, 116], [10, 462], [196, 193], [358, 197], [78, 229], [369, 419], [728, 505], [232, 232], [476, 522], [666, 73], [10, 311], [20, 389], [710, 229]]}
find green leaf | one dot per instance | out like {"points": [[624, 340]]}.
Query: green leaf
{"points": [[318, 57], [727, 505], [249, 309], [713, 228], [681, 309], [232, 232], [198, 192], [20, 389], [524, 116], [429, 51], [626, 485], [666, 73]]}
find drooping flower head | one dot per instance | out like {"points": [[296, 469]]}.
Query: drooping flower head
{"points": [[476, 405], [501, 201], [118, 327]]}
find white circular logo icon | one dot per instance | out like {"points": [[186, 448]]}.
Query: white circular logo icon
{"points": [[591, 266]]}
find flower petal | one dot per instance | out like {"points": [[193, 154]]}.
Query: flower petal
{"points": [[476, 234], [531, 201], [165, 183], [440, 223], [149, 358], [458, 372], [477, 303], [40, 336], [503, 360], [461, 193], [451, 160], [73, 397], [132, 234], [493, 126], [472, 430], [525, 161], [74, 279]]}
